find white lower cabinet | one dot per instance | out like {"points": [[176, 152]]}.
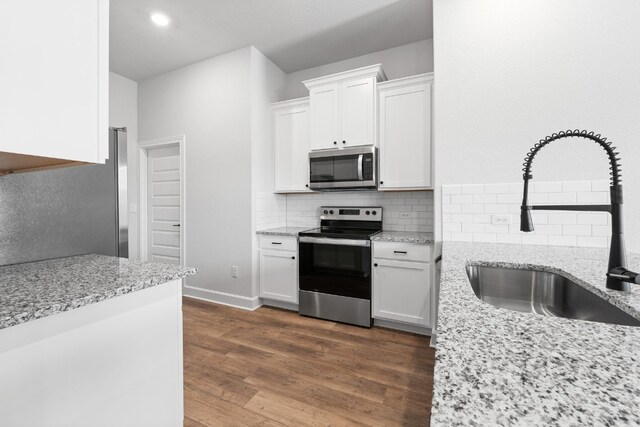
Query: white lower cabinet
{"points": [[402, 283], [279, 268]]}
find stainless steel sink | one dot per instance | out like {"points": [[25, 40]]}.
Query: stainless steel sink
{"points": [[542, 293]]}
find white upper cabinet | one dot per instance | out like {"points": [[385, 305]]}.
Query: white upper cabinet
{"points": [[54, 82], [343, 108], [405, 133], [325, 117], [290, 124]]}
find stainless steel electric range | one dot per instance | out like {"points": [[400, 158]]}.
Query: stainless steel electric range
{"points": [[335, 265]]}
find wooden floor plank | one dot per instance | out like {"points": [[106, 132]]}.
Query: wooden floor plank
{"points": [[273, 367]]}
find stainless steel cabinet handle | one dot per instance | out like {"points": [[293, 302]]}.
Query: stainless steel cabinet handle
{"points": [[400, 252], [176, 225], [276, 243]]}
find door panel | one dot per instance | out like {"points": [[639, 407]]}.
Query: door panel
{"points": [[278, 275], [325, 116], [291, 145], [401, 291], [163, 205], [358, 112], [405, 137]]}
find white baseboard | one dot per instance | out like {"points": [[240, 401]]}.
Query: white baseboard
{"points": [[238, 301], [280, 304], [421, 330]]}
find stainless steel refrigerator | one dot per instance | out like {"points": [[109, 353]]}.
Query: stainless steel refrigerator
{"points": [[69, 211]]}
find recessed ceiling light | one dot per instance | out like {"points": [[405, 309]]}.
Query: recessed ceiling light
{"points": [[160, 19]]}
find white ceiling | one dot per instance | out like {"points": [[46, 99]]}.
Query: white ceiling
{"points": [[294, 34]]}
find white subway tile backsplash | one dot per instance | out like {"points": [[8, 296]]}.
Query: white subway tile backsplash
{"points": [[472, 228], [451, 189], [473, 189], [593, 197], [562, 240], [601, 218], [484, 198], [472, 208], [547, 187], [509, 238], [497, 188], [460, 199], [467, 211], [509, 198], [562, 218], [600, 185], [562, 198], [274, 210], [600, 230], [591, 241], [574, 186], [575, 230], [484, 238]]}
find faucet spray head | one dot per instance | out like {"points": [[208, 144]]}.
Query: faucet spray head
{"points": [[526, 223]]}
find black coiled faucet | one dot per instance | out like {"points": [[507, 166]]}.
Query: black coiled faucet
{"points": [[618, 277]]}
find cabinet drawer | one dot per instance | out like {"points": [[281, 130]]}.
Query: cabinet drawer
{"points": [[284, 243], [402, 251]]}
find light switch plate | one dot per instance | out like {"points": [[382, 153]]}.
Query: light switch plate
{"points": [[500, 219], [405, 215]]}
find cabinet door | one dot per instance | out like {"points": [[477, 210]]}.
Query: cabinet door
{"points": [[279, 275], [325, 114], [291, 146], [357, 112], [405, 137], [401, 291], [54, 78]]}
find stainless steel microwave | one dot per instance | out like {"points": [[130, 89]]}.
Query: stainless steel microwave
{"points": [[343, 169]]}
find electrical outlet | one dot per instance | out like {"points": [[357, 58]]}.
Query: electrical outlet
{"points": [[405, 215], [234, 271], [500, 219]]}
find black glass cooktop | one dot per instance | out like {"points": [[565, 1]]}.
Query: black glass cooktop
{"points": [[341, 233]]}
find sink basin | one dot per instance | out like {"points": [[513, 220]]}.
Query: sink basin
{"points": [[543, 293]]}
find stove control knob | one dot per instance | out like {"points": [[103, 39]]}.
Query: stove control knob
{"points": [[330, 212], [374, 212], [326, 211], [367, 212]]}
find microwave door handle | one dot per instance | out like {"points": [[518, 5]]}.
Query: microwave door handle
{"points": [[360, 163]]}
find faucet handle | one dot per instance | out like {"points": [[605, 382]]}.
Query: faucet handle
{"points": [[624, 274]]}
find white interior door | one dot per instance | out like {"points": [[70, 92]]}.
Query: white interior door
{"points": [[163, 205]]}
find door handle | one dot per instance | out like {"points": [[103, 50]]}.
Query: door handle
{"points": [[360, 162], [176, 225]]}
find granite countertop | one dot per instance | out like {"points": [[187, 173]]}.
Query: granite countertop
{"points": [[500, 367], [39, 289], [421, 238], [283, 231]]}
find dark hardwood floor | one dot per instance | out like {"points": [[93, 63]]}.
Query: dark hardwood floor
{"points": [[272, 367]]}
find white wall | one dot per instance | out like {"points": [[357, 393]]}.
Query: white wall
{"points": [[209, 102], [401, 61], [509, 73], [123, 112], [267, 84]]}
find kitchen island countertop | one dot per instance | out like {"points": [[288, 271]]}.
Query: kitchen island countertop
{"points": [[35, 290], [501, 367]]}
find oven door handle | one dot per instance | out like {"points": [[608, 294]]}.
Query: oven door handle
{"points": [[338, 242], [360, 166]]}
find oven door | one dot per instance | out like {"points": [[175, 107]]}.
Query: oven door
{"points": [[335, 266]]}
